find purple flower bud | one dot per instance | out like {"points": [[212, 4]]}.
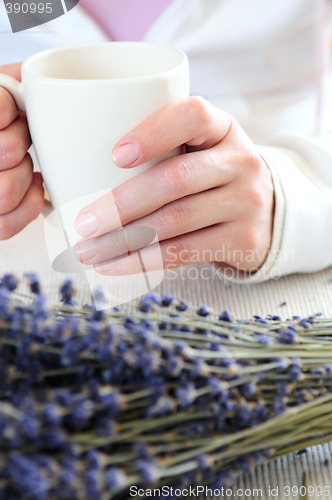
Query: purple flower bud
{"points": [[34, 282], [4, 302], [316, 371], [181, 306], [223, 479], [248, 389], [263, 321], [295, 373], [67, 292], [63, 397], [204, 311], [166, 300], [205, 462], [145, 306], [51, 414], [288, 336], [52, 438], [94, 460], [273, 317], [148, 469], [181, 348], [92, 489], [162, 406], [142, 451], [163, 325], [185, 394], [9, 281], [115, 479], [186, 328], [111, 399], [306, 324], [105, 426], [25, 474], [217, 386], [226, 316]]}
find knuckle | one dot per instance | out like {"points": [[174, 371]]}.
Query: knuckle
{"points": [[254, 162], [173, 214], [198, 104], [200, 109], [176, 176], [256, 197], [117, 240], [244, 156], [8, 196], [11, 151]]}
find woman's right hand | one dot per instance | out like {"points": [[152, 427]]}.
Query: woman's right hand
{"points": [[21, 189]]}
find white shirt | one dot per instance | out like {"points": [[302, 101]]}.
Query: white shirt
{"points": [[266, 62]]}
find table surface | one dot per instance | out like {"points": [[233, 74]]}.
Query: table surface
{"points": [[297, 294]]}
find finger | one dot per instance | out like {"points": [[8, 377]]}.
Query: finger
{"points": [[191, 213], [14, 143], [30, 207], [8, 109], [233, 250], [13, 69], [182, 216], [204, 245], [14, 183], [116, 243], [193, 121], [148, 191]]}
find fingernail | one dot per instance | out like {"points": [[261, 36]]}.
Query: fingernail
{"points": [[109, 268], [126, 154], [85, 251], [86, 224]]}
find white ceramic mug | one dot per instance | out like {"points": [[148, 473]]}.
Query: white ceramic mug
{"points": [[80, 100]]}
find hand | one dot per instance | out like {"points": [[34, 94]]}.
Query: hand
{"points": [[21, 191], [214, 203]]}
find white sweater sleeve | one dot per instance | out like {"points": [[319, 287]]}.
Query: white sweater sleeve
{"points": [[302, 234]]}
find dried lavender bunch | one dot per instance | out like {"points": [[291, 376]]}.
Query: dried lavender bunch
{"points": [[92, 402]]}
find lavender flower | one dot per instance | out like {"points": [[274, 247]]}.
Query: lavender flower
{"points": [[94, 401], [67, 292], [9, 281], [204, 311], [34, 282]]}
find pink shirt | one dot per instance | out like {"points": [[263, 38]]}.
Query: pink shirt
{"points": [[126, 20]]}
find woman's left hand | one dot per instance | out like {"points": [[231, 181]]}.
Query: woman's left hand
{"points": [[213, 203]]}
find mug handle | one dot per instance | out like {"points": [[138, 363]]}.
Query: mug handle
{"points": [[14, 87]]}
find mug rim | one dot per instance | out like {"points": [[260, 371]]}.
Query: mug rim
{"points": [[183, 60]]}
